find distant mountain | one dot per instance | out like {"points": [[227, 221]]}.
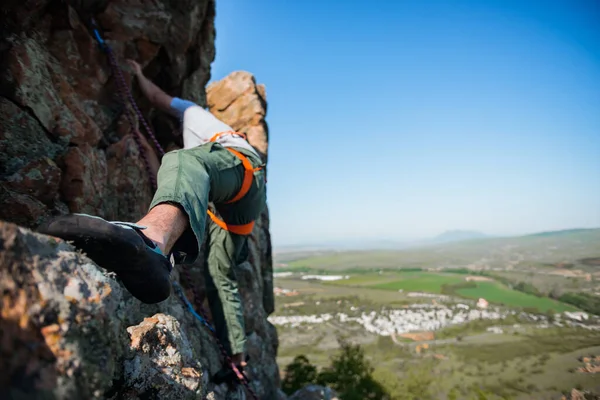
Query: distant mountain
{"points": [[578, 247], [458, 236], [564, 232], [449, 237], [315, 249]]}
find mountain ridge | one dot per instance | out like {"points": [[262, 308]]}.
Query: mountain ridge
{"points": [[446, 237]]}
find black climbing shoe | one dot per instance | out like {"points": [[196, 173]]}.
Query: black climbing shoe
{"points": [[119, 247]]}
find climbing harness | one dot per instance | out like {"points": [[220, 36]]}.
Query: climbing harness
{"points": [[125, 94], [249, 170]]}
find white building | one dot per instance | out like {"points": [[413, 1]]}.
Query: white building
{"points": [[578, 316], [325, 277], [482, 303], [282, 274]]}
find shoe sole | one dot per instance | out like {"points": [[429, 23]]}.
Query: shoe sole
{"points": [[143, 272]]}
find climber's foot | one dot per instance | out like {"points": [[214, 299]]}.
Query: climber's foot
{"points": [[227, 374], [119, 247], [238, 360]]}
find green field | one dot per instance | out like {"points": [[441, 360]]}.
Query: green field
{"points": [[365, 280], [499, 294], [432, 282], [421, 282]]}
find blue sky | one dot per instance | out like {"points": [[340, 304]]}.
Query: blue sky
{"points": [[403, 119]]}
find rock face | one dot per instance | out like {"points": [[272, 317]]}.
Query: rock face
{"points": [[65, 142], [68, 330]]}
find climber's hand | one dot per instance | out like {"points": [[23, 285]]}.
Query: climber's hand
{"points": [[156, 95], [137, 68]]}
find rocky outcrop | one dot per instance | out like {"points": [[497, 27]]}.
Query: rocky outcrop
{"points": [[68, 329], [65, 142], [241, 103]]}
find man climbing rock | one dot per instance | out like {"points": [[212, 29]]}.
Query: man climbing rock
{"points": [[216, 165]]}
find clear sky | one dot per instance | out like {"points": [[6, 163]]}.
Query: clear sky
{"points": [[396, 119]]}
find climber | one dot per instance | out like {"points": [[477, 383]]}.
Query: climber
{"points": [[216, 165]]}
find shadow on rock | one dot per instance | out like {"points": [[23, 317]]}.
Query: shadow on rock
{"points": [[26, 361]]}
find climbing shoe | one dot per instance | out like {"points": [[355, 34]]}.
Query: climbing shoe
{"points": [[120, 247]]}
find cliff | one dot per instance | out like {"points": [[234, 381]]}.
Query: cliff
{"points": [[66, 141], [68, 330]]}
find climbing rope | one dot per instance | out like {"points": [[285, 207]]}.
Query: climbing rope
{"points": [[125, 94], [190, 307]]}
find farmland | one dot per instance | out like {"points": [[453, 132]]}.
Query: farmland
{"points": [[421, 282], [499, 294], [523, 359], [443, 283], [415, 314]]}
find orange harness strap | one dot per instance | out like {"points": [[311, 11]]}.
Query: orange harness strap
{"points": [[245, 229]]}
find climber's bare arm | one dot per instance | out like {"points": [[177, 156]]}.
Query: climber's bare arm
{"points": [[155, 94]]}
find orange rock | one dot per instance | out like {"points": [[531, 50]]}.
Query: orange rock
{"points": [[190, 372], [16, 309], [51, 334], [238, 101]]}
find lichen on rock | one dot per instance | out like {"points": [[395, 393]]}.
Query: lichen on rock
{"points": [[59, 334], [163, 362]]}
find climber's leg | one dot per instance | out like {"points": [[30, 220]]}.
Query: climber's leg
{"points": [[182, 180], [222, 255], [126, 249], [183, 185], [187, 181], [191, 178], [165, 224]]}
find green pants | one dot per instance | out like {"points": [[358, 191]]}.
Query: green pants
{"points": [[192, 178]]}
